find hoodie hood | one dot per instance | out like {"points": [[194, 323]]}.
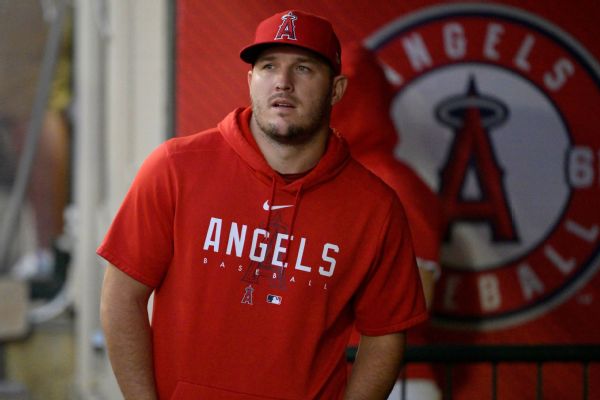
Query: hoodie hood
{"points": [[363, 114], [331, 164]]}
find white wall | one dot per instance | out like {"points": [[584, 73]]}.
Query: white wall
{"points": [[121, 84]]}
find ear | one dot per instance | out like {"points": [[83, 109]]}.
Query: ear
{"points": [[250, 76], [340, 83]]}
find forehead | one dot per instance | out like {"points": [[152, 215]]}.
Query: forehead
{"points": [[289, 52]]}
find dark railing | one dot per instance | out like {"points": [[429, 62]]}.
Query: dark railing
{"points": [[450, 355]]}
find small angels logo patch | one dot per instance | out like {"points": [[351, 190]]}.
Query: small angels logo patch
{"points": [[247, 298]]}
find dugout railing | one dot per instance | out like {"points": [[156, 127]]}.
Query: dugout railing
{"points": [[452, 355]]}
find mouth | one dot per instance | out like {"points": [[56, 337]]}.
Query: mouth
{"points": [[282, 103]]}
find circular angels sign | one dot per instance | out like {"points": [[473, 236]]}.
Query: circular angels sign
{"points": [[499, 112]]}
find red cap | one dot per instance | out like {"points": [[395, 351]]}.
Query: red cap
{"points": [[300, 29]]}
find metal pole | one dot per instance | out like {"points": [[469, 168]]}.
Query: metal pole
{"points": [[494, 380], [403, 379], [448, 384], [540, 382], [34, 130], [586, 380]]}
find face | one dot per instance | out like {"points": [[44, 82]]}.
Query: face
{"points": [[292, 92]]}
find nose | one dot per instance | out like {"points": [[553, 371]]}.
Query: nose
{"points": [[284, 80]]}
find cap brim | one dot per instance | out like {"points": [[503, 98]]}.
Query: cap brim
{"points": [[250, 53]]}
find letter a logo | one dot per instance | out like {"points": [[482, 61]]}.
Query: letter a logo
{"points": [[287, 27], [473, 115], [247, 299]]}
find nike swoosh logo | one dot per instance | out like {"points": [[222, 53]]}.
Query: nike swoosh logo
{"points": [[273, 208]]}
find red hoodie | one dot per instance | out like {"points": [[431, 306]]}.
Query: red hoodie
{"points": [[258, 282]]}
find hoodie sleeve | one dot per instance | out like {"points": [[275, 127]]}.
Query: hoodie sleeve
{"points": [[140, 239], [391, 298]]}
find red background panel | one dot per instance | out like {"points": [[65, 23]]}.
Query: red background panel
{"points": [[211, 81]]}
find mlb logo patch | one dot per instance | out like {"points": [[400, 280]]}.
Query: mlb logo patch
{"points": [[273, 299]]}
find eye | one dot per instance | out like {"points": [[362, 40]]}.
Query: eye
{"points": [[264, 65], [303, 68]]}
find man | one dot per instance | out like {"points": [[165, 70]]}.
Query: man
{"points": [[263, 242], [363, 118]]}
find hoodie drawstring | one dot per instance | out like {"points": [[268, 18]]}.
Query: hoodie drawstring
{"points": [[292, 222], [294, 214], [270, 206]]}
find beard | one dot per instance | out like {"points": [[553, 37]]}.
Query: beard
{"points": [[295, 134]]}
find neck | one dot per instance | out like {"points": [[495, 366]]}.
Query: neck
{"points": [[290, 159]]}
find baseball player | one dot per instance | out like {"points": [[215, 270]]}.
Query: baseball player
{"points": [[263, 242]]}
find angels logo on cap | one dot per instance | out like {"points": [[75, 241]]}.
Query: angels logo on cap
{"points": [[287, 27]]}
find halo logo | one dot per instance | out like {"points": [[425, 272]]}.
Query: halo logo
{"points": [[499, 111]]}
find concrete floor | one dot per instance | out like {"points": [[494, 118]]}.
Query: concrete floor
{"points": [[44, 361]]}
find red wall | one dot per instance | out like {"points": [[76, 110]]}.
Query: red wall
{"points": [[211, 81]]}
